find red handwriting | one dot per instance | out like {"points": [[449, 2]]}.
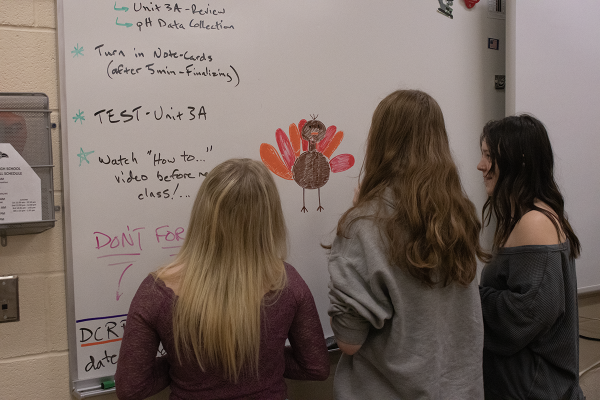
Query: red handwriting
{"points": [[124, 239], [168, 235], [131, 239]]}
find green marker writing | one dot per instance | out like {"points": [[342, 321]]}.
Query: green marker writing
{"points": [[121, 9], [126, 24]]}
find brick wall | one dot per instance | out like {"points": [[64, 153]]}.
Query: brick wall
{"points": [[33, 351]]}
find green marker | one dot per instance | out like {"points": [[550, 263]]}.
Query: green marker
{"points": [[108, 384]]}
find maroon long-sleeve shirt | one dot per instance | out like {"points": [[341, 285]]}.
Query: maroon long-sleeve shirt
{"points": [[150, 321]]}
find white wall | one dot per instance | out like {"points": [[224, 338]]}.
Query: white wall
{"points": [[554, 66]]}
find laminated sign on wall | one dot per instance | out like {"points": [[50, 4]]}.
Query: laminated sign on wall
{"points": [[20, 188]]}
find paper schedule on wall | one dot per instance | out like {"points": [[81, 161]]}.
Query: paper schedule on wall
{"points": [[20, 188]]}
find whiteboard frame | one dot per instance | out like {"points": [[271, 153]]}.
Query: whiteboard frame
{"points": [[77, 386], [80, 386]]}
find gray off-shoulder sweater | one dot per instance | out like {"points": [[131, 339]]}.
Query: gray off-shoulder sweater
{"points": [[529, 302]]}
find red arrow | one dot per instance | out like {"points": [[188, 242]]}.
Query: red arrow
{"points": [[119, 287]]}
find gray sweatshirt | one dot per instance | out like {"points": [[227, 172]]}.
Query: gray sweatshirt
{"points": [[417, 342]]}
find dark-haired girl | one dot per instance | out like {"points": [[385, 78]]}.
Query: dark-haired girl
{"points": [[529, 289], [405, 306]]}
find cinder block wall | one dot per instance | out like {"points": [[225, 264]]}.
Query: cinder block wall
{"points": [[33, 351]]}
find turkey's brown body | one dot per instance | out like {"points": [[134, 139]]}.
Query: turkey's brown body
{"points": [[311, 170]]}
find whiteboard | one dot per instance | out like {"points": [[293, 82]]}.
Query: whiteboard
{"points": [[553, 69], [131, 132]]}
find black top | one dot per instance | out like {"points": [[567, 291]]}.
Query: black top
{"points": [[530, 314]]}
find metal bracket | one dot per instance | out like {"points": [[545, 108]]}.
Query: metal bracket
{"points": [[500, 81], [33, 113], [445, 9]]}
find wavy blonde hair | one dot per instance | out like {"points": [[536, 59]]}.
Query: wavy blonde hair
{"points": [[434, 230], [232, 255]]}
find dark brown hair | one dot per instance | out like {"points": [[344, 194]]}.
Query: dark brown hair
{"points": [[520, 147], [433, 231]]}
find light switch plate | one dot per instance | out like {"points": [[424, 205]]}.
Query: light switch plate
{"points": [[9, 298]]}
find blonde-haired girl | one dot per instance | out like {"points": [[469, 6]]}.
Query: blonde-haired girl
{"points": [[225, 307], [405, 308]]}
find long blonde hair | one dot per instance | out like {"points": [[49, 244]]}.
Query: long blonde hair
{"points": [[232, 255], [434, 231]]}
